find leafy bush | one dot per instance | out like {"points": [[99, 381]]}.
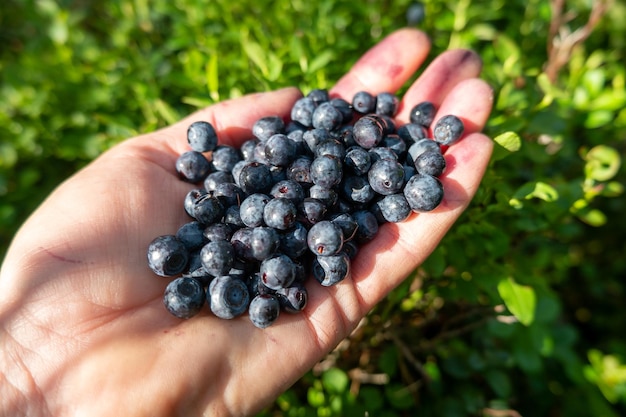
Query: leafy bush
{"points": [[517, 312]]}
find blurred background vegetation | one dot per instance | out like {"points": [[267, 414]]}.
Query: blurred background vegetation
{"points": [[519, 310]]}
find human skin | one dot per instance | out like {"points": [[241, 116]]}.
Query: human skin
{"points": [[83, 329]]}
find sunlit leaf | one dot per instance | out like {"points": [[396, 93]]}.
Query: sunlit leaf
{"points": [[520, 300]]}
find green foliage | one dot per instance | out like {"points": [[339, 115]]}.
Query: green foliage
{"points": [[518, 309]]}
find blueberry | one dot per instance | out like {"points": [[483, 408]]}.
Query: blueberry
{"points": [[235, 173], [192, 166], [412, 132], [290, 189], [318, 95], [224, 158], [368, 132], [218, 231], [280, 150], [387, 104], [364, 102], [311, 211], [247, 149], [208, 209], [278, 271], [201, 136], [386, 176], [264, 310], [332, 147], [431, 163], [396, 144], [392, 208], [357, 160], [264, 242], [167, 256], [377, 153], [232, 217], [256, 286], [327, 116], [423, 192], [242, 243], [293, 299], [228, 296], [217, 257], [192, 235], [367, 225], [293, 241], [423, 113], [346, 223], [300, 170], [327, 195], [325, 238], [448, 130], [216, 178], [344, 107], [191, 199], [421, 146], [266, 127], [356, 189], [330, 270], [326, 171], [184, 297], [251, 209], [255, 177], [351, 249], [280, 213], [312, 138], [229, 194], [302, 111]]}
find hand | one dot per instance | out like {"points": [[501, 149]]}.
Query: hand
{"points": [[83, 329]]}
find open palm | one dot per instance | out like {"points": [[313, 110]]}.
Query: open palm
{"points": [[83, 330]]}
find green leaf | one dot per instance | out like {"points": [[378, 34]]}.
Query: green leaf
{"points": [[519, 299], [506, 143], [602, 163], [335, 381]]}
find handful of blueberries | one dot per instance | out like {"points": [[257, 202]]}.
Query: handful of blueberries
{"points": [[296, 200]]}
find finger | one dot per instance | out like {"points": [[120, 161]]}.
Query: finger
{"points": [[232, 119], [386, 66], [447, 70]]}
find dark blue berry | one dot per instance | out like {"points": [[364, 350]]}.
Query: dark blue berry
{"points": [[278, 271], [330, 270], [266, 127], [167, 256], [192, 235], [358, 160], [280, 213], [387, 104], [431, 163], [255, 177], [356, 189], [280, 150], [251, 209], [201, 136], [423, 192], [224, 158], [326, 171], [318, 95], [228, 296], [264, 242], [448, 130], [290, 189], [217, 257], [216, 178], [311, 211], [218, 231], [367, 225], [325, 238], [208, 209], [364, 102], [367, 132], [302, 111], [184, 297], [192, 166], [300, 170], [327, 116], [423, 113], [386, 176], [412, 132], [293, 241], [392, 208], [293, 299], [264, 310]]}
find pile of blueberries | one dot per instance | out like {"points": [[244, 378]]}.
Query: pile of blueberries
{"points": [[296, 200]]}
